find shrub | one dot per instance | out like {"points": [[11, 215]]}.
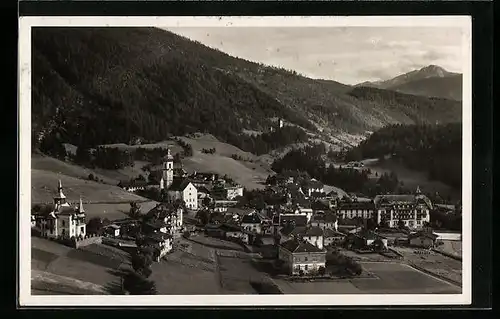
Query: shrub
{"points": [[321, 270]]}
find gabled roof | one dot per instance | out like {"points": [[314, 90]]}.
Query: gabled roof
{"points": [[356, 205], [325, 218], [251, 219], [328, 232], [179, 184], [313, 184], [298, 246], [307, 231], [402, 199], [300, 220]]}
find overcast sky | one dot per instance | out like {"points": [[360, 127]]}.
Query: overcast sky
{"points": [[346, 54]]}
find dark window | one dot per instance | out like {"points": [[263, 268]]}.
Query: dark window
{"points": [[63, 223], [305, 259]]}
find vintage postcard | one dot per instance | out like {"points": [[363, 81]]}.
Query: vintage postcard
{"points": [[221, 160]]}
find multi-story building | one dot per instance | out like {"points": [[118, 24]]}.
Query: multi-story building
{"points": [[301, 256], [412, 211], [352, 208], [63, 221]]}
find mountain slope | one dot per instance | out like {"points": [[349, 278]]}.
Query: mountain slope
{"points": [[449, 87], [418, 109], [109, 85], [430, 81]]}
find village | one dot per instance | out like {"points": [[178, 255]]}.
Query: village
{"points": [[307, 238]]}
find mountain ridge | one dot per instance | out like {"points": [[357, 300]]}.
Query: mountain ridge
{"points": [[153, 84], [429, 81]]}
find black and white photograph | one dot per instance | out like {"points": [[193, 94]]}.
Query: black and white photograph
{"points": [[214, 160]]}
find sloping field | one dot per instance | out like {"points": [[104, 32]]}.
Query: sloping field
{"points": [[44, 187], [53, 264], [50, 164], [237, 170]]}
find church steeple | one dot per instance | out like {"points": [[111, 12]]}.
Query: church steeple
{"points": [[60, 199], [80, 207], [168, 169]]}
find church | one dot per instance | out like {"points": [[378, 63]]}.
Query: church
{"points": [[177, 187], [64, 220]]}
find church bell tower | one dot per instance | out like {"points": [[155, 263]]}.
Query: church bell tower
{"points": [[168, 170]]}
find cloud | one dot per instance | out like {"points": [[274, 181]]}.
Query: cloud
{"points": [[346, 54]]}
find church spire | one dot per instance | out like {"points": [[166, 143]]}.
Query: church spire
{"points": [[80, 207], [60, 190], [418, 192]]}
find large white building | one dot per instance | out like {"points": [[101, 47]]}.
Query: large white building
{"points": [[63, 221], [412, 210], [185, 190]]}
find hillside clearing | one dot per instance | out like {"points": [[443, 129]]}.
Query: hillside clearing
{"points": [[44, 187]]}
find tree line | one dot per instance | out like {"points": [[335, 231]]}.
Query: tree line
{"points": [[435, 149]]}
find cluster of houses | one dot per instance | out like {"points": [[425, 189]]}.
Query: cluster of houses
{"points": [[158, 227], [311, 220], [193, 188]]}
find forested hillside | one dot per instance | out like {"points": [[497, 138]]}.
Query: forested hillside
{"points": [[96, 86], [435, 149]]}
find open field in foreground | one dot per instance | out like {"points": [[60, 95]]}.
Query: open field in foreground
{"points": [[434, 263], [392, 278], [92, 268]]}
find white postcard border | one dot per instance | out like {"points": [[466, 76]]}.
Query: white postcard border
{"points": [[24, 115]]}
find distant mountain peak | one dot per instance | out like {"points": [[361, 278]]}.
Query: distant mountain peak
{"points": [[433, 70]]}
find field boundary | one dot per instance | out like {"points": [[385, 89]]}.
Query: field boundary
{"points": [[435, 275], [447, 254]]}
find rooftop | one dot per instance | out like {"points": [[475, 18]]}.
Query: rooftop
{"points": [[179, 184], [299, 246], [328, 232], [307, 231]]}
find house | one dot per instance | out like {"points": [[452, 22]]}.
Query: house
{"points": [[235, 232], [412, 211], [63, 220], [332, 237], [312, 186], [185, 190], [223, 205], [422, 239], [313, 235], [326, 220], [300, 256], [156, 226], [252, 222], [351, 208], [168, 214], [291, 218], [161, 244], [233, 191], [112, 230], [365, 239], [133, 185]]}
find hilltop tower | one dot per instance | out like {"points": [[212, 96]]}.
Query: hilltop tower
{"points": [[168, 170]]}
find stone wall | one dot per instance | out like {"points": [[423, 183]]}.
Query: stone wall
{"points": [[87, 240]]}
